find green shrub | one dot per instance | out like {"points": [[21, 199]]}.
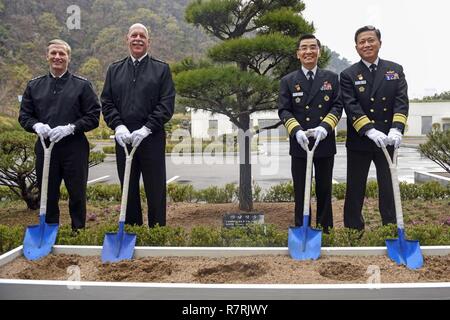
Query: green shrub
{"points": [[6, 194], [218, 195], [372, 189], [433, 190], [109, 149], [339, 190], [181, 192], [253, 235], [10, 237], [283, 192], [202, 236]]}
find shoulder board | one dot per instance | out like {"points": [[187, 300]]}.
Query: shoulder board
{"points": [[38, 77], [80, 77], [157, 60], [118, 61]]}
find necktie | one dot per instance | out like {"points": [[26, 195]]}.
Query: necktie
{"points": [[135, 66], [310, 78], [373, 69]]}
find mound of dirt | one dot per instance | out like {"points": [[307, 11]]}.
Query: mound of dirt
{"points": [[274, 269]]}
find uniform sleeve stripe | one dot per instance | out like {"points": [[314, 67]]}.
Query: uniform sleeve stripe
{"points": [[291, 124], [399, 117], [361, 122], [288, 122], [330, 122]]}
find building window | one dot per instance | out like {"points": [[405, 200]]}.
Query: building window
{"points": [[446, 126], [213, 128], [427, 123]]}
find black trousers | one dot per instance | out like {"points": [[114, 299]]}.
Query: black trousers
{"points": [[149, 159], [323, 168], [358, 164], [69, 162]]}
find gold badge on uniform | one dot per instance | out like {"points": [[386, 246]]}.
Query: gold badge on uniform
{"points": [[326, 98], [360, 76], [297, 87], [297, 100], [362, 89]]}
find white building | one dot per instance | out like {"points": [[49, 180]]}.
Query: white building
{"points": [[420, 120]]}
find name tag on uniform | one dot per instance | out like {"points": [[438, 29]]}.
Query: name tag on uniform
{"points": [[297, 94], [361, 82]]}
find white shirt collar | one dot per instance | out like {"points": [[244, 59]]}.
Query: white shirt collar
{"points": [[368, 64], [305, 71], [140, 59], [59, 76]]}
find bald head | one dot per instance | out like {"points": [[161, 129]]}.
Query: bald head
{"points": [[138, 26]]}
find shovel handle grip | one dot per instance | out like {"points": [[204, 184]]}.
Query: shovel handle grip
{"points": [[395, 185], [45, 173], [308, 178], [126, 183]]}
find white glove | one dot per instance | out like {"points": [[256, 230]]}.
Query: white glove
{"points": [[319, 133], [138, 135], [123, 135], [378, 137], [42, 129], [302, 139], [395, 137], [56, 134]]}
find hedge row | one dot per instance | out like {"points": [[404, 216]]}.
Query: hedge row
{"points": [[283, 192], [251, 236]]}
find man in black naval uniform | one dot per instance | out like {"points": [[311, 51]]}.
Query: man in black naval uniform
{"points": [[61, 106], [376, 103], [137, 100], [310, 105]]}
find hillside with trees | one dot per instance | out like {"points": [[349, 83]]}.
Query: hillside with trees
{"points": [[27, 25]]}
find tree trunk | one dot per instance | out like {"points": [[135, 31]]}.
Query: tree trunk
{"points": [[245, 167], [31, 199]]}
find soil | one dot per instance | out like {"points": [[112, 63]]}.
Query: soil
{"points": [[189, 215], [250, 270]]}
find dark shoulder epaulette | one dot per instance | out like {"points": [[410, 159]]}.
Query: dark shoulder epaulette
{"points": [[80, 77], [157, 60], [118, 61], [38, 77]]}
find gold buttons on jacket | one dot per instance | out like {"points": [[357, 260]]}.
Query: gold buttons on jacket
{"points": [[307, 119], [384, 98], [373, 121], [371, 110], [385, 109], [307, 107], [321, 118], [385, 121], [372, 99], [320, 106]]}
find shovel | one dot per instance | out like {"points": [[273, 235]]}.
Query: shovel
{"points": [[120, 246], [400, 250], [305, 242], [39, 239]]}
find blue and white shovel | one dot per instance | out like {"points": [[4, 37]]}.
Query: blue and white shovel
{"points": [[39, 239], [120, 246], [400, 250], [305, 242]]}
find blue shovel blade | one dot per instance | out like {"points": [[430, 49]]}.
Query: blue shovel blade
{"points": [[405, 252], [118, 246], [39, 240], [304, 243]]}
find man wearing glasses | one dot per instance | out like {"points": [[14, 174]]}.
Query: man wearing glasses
{"points": [[310, 107], [376, 103]]}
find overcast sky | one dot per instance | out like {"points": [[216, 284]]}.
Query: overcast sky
{"points": [[415, 34]]}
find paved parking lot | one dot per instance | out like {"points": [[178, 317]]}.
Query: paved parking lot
{"points": [[271, 166]]}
